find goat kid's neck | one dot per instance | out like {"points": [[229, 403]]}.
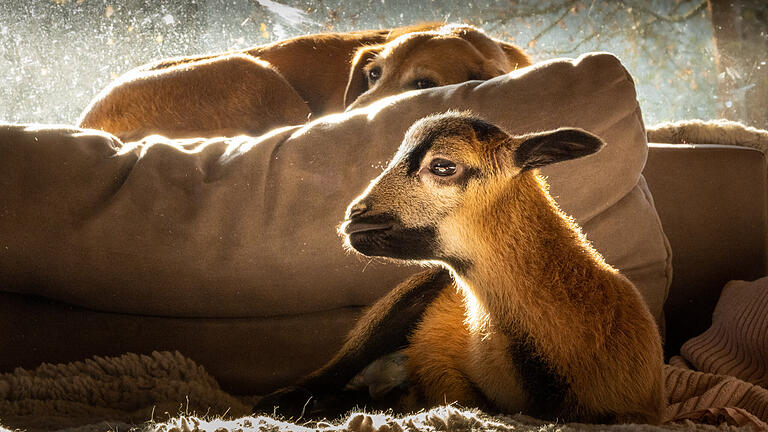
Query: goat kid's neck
{"points": [[536, 274]]}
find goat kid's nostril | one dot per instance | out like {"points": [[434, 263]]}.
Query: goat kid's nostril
{"points": [[357, 209]]}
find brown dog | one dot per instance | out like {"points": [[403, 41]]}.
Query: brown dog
{"points": [[284, 83], [419, 60]]}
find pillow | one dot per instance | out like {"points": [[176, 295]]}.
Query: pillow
{"points": [[246, 227]]}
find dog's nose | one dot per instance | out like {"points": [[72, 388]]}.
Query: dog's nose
{"points": [[350, 107], [357, 209], [361, 101]]}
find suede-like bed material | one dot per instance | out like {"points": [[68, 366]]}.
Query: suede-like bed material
{"points": [[245, 227], [697, 212], [246, 355], [713, 202]]}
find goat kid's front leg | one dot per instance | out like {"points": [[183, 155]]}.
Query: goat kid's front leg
{"points": [[383, 329]]}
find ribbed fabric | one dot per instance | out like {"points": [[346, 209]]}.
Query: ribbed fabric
{"points": [[710, 398], [721, 374], [737, 342]]}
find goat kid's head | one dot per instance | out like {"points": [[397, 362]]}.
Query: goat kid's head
{"points": [[448, 172]]}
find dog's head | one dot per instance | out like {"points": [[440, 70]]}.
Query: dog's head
{"points": [[418, 60]]}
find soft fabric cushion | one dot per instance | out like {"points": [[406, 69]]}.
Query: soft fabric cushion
{"points": [[246, 227]]}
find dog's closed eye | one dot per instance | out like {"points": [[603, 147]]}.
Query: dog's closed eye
{"points": [[424, 83]]}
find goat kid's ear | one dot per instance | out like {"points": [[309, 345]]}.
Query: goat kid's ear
{"points": [[357, 83], [545, 148]]}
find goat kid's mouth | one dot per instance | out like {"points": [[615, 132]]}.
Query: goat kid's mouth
{"points": [[384, 235], [358, 225]]}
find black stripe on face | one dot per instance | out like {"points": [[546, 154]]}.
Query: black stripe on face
{"points": [[546, 388], [397, 241], [417, 153]]}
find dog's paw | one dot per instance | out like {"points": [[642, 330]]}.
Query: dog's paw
{"points": [[290, 402]]}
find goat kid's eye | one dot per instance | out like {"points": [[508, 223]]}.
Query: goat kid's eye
{"points": [[374, 74], [442, 167], [424, 83]]}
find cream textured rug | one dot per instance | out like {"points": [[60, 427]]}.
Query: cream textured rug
{"points": [[724, 132], [127, 389], [167, 392]]}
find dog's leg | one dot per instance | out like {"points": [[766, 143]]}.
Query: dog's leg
{"points": [[383, 329]]}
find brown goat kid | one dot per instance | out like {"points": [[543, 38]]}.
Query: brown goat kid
{"points": [[532, 320]]}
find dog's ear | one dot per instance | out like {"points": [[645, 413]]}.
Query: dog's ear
{"points": [[495, 52], [357, 83], [516, 57], [486, 70]]}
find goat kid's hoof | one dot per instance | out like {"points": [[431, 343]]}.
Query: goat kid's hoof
{"points": [[290, 402], [364, 423]]}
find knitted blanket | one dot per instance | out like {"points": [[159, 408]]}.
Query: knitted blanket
{"points": [[734, 353], [167, 392]]}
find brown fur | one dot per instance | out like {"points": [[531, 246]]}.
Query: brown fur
{"points": [[283, 83], [383, 329], [449, 55], [224, 96], [533, 286]]}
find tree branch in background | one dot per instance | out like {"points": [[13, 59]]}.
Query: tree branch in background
{"points": [[669, 18], [532, 42], [502, 15], [640, 28], [740, 28]]}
